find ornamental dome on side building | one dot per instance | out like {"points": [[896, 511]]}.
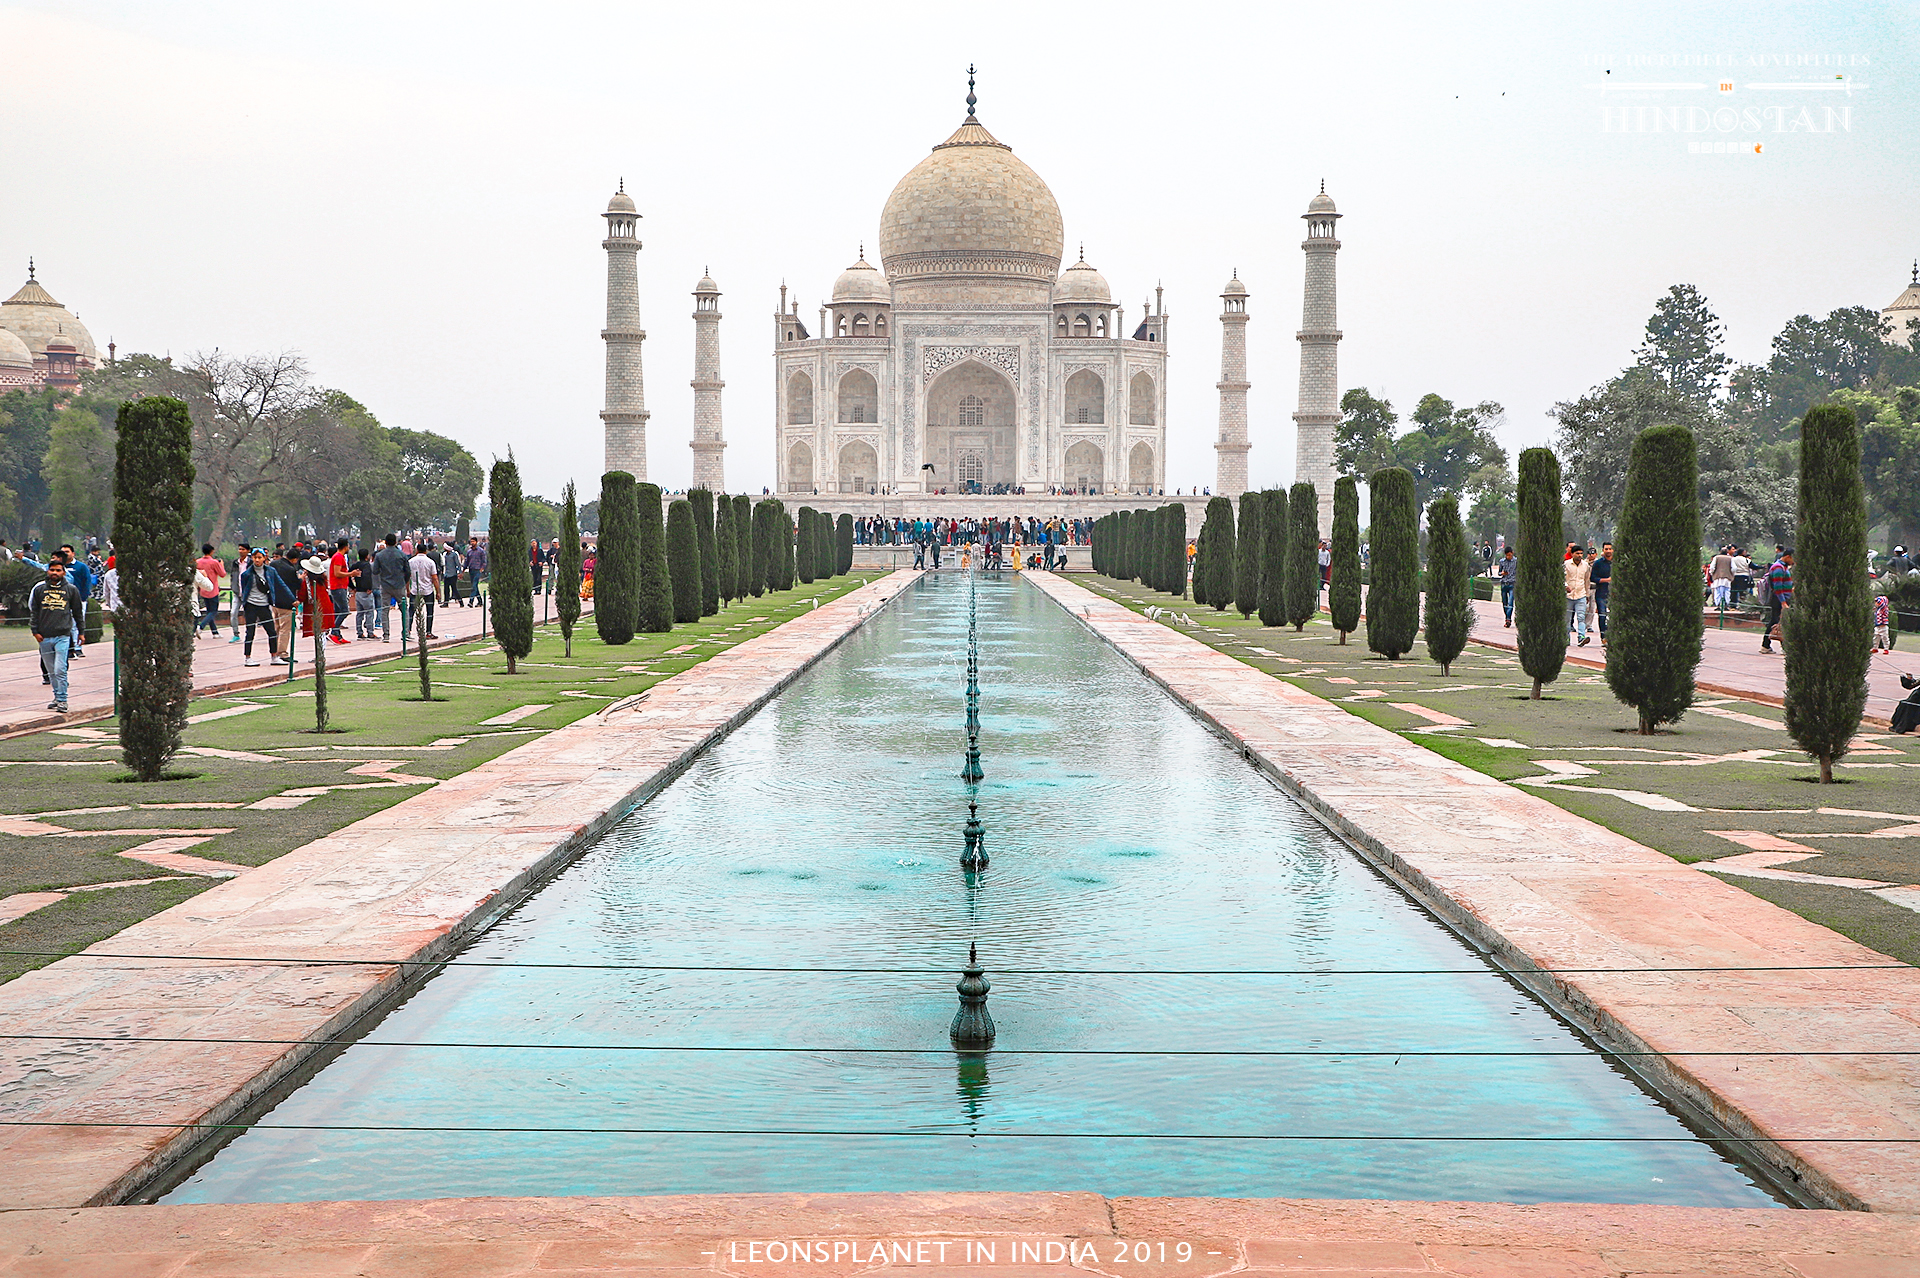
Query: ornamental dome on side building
{"points": [[1905, 310], [16, 363], [862, 284], [1081, 285], [972, 213], [36, 319]]}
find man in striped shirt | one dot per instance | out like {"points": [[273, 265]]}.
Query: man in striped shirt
{"points": [[1779, 599]]}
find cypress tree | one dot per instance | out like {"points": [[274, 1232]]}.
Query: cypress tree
{"points": [[726, 550], [462, 529], [655, 614], [153, 546], [512, 572], [803, 562], [1146, 561], [843, 544], [826, 558], [1213, 567], [683, 562], [1827, 628], [787, 548], [701, 500], [1449, 592], [1117, 553], [1103, 544], [1655, 623], [1343, 584], [1540, 583], [769, 543], [1393, 604], [1175, 516], [749, 579], [566, 568], [616, 560], [1303, 554], [1247, 546], [1275, 519]]}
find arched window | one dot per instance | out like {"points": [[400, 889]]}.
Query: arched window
{"points": [[1100, 325], [859, 397], [971, 466], [799, 399], [840, 324], [1084, 467], [1060, 325], [1140, 400], [973, 411], [1086, 398], [860, 324], [1082, 326], [799, 467], [1140, 468], [880, 324]]}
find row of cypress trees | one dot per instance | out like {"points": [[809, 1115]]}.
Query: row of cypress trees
{"points": [[1146, 545], [1269, 563], [823, 547]]}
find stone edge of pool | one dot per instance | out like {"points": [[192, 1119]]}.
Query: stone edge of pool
{"points": [[405, 886], [1541, 889], [729, 1234]]}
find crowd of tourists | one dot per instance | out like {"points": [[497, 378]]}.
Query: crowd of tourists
{"points": [[876, 530]]}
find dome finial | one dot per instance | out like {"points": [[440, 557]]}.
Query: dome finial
{"points": [[29, 266], [971, 100], [1083, 250], [623, 186], [1916, 270], [1323, 186]]}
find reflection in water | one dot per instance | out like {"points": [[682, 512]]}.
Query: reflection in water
{"points": [[822, 834]]}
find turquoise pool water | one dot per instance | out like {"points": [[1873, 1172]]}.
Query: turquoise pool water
{"points": [[826, 833]]}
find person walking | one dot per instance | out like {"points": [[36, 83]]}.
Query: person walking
{"points": [[476, 569], [1779, 587], [339, 588], [360, 581], [1579, 583], [287, 568], [261, 593], [1509, 572], [1882, 621], [390, 574], [1720, 573], [208, 573], [53, 611], [82, 578], [1600, 575], [1742, 575], [452, 564], [423, 584]]}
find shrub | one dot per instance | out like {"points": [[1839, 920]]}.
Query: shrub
{"points": [[616, 560], [1450, 613], [1654, 621], [1827, 629], [701, 500], [512, 571], [1277, 520], [655, 614], [1303, 554], [683, 562], [153, 542], [1540, 583], [1343, 574], [1393, 602]]}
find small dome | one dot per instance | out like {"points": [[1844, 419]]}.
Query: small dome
{"points": [[14, 352], [1905, 309], [1321, 203], [862, 283], [1234, 287], [36, 319], [1083, 285], [706, 285], [621, 201]]}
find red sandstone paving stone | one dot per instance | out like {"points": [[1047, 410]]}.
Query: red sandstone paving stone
{"points": [[449, 1260], [1518, 1262], [273, 1261], [680, 1254], [1855, 1265], [123, 1265], [1311, 1253]]}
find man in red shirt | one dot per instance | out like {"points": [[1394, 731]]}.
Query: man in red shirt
{"points": [[208, 569], [339, 584]]}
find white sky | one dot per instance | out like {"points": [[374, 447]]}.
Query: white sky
{"points": [[409, 193]]}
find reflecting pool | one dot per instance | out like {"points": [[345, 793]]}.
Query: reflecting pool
{"points": [[826, 834]]}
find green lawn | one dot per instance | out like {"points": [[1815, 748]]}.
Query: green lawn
{"points": [[264, 752], [1731, 774]]}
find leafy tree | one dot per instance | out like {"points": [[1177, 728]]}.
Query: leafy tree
{"points": [[1246, 553], [512, 573], [1682, 345], [655, 616], [26, 430], [542, 518], [1393, 603], [752, 579], [701, 500], [590, 517], [726, 549], [1811, 360], [1449, 570], [1540, 584], [1214, 564], [1363, 441], [1447, 447], [683, 561], [616, 565], [462, 530], [1303, 554], [1595, 441], [1827, 628], [1494, 513], [79, 467], [153, 539], [843, 545], [566, 566], [1276, 521], [1343, 574], [1655, 623]]}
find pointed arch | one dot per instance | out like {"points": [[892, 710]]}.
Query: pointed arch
{"points": [[799, 398], [1141, 410], [799, 466], [1140, 467], [859, 397], [1086, 398]]}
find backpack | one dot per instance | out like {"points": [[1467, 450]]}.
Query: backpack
{"points": [[1763, 588]]}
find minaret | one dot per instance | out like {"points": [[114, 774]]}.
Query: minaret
{"points": [[626, 411], [1319, 338], [709, 471], [1230, 452]]}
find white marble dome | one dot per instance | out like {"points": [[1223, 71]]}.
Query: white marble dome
{"points": [[861, 283], [971, 208], [1080, 284], [36, 319], [14, 352]]}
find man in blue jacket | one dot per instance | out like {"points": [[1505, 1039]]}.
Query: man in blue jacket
{"points": [[82, 578], [53, 611]]}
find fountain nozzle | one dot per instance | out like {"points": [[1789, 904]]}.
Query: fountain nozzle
{"points": [[972, 1028], [975, 857]]}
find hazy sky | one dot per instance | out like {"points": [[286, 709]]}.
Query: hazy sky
{"points": [[409, 193]]}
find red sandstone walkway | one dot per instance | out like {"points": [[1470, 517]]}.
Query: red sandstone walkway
{"points": [[950, 1235], [217, 666], [1547, 890], [1731, 662]]}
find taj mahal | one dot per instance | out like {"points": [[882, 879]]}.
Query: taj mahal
{"points": [[968, 362]]}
